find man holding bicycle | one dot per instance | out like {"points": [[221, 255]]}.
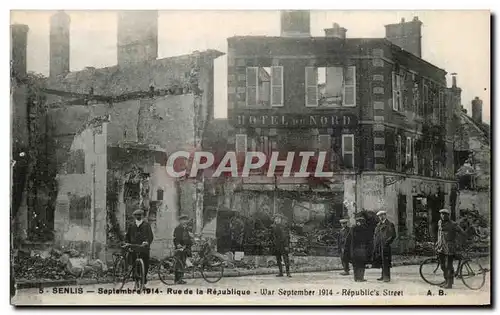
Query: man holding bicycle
{"points": [[140, 233], [182, 242], [447, 245]]}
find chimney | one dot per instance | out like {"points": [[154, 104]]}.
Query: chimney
{"points": [[59, 43], [407, 35], [18, 50], [336, 31], [295, 23], [477, 110], [137, 36], [453, 80]]}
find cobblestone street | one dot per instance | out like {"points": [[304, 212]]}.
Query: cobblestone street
{"points": [[326, 288]]}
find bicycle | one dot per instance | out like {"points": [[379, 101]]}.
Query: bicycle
{"points": [[467, 268], [122, 272], [209, 263]]}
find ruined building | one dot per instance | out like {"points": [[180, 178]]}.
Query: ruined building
{"points": [[111, 131]]}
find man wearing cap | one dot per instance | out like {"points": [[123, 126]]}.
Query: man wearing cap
{"points": [[182, 240], [341, 241], [447, 245], [384, 235], [281, 241], [358, 243], [140, 233]]}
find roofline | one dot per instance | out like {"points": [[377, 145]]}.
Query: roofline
{"points": [[381, 39], [392, 45]]}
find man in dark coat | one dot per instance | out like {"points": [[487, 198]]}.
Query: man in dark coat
{"points": [[140, 233], [183, 242], [343, 253], [385, 233], [447, 246], [281, 242], [358, 244]]}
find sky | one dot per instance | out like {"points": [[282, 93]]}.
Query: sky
{"points": [[457, 41]]}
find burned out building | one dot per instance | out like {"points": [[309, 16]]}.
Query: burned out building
{"points": [[111, 130], [381, 112]]}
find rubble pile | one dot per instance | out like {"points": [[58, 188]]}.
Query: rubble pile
{"points": [[33, 266]]}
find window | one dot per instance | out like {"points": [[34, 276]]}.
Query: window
{"points": [[425, 101], [261, 83], [398, 153], [348, 150], [311, 87], [252, 88], [397, 98], [159, 195], [415, 159], [416, 99], [442, 108], [350, 87], [277, 86], [408, 150], [241, 143], [330, 86]]}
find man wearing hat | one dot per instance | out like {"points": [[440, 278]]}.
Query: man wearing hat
{"points": [[341, 241], [140, 233], [358, 244], [182, 240], [384, 235], [281, 241], [447, 245]]}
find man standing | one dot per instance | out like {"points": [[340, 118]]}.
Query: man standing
{"points": [[447, 245], [281, 241], [140, 233], [183, 242], [385, 233], [341, 242], [358, 244]]}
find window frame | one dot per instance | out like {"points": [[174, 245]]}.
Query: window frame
{"points": [[344, 152], [408, 153], [399, 153], [273, 86], [307, 86], [244, 136], [353, 85], [396, 88], [256, 86]]}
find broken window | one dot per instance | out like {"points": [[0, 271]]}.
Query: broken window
{"points": [[330, 86], [264, 86], [397, 98], [408, 150]]}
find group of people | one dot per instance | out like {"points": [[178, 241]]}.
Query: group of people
{"points": [[358, 245], [355, 246]]}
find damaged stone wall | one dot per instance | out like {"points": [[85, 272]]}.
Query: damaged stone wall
{"points": [[77, 187]]}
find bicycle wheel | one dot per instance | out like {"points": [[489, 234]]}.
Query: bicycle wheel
{"points": [[212, 269], [473, 274], [430, 271], [166, 270], [139, 274], [119, 270]]}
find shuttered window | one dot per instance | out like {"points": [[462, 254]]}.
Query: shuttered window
{"points": [[396, 92], [408, 150], [277, 86], [252, 86], [349, 98], [311, 86]]}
